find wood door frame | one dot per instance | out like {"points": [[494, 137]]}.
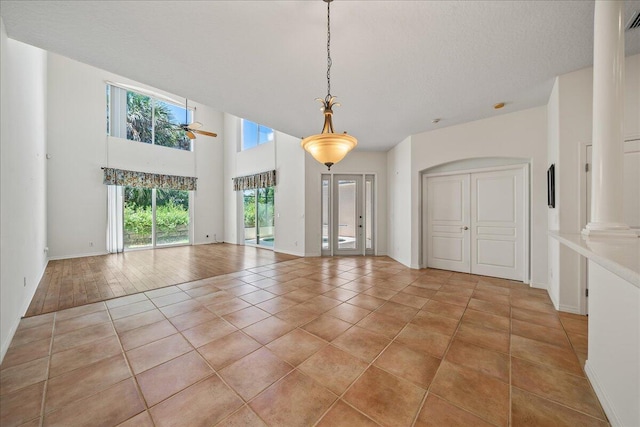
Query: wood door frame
{"points": [[526, 169]]}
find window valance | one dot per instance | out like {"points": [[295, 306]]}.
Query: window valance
{"points": [[259, 180], [127, 178]]}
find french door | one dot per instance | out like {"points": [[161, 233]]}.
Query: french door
{"points": [[476, 223], [347, 214]]}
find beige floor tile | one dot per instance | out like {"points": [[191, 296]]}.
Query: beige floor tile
{"points": [[397, 311], [226, 350], [409, 300], [559, 386], [540, 333], [424, 341], [327, 327], [192, 318], [362, 343], [17, 355], [268, 329], [435, 323], [484, 337], [413, 366], [437, 412], [366, 301], [164, 380], [83, 355], [28, 335], [483, 395], [80, 383], [498, 309], [204, 403], [528, 409], [143, 419], [449, 310], [481, 359], [242, 418], [82, 336], [131, 309], [385, 398], [349, 313], [69, 313], [255, 372], [245, 317], [546, 354], [382, 324], [333, 368], [296, 346], [109, 407], [208, 331], [276, 305], [297, 315], [22, 405], [297, 400], [229, 306], [138, 320], [147, 334], [486, 320], [157, 352], [343, 415]]}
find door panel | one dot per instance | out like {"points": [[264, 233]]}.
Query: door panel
{"points": [[347, 230], [447, 217], [497, 224]]}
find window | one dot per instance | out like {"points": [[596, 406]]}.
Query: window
{"points": [[254, 134], [259, 216], [139, 117]]}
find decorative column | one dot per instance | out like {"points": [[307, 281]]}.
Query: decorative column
{"points": [[608, 121]]}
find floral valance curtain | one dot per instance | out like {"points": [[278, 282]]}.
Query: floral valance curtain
{"points": [[259, 180], [127, 178]]}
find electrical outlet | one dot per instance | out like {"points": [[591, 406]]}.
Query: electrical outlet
{"points": [[90, 244], [215, 237], [25, 281]]}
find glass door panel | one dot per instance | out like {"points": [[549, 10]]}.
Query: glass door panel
{"points": [[368, 213], [265, 216], [250, 229], [347, 229], [138, 218], [326, 190], [172, 217]]}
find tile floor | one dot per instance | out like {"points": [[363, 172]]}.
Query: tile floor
{"points": [[312, 341]]}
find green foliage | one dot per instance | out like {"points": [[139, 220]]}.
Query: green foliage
{"points": [[137, 219], [265, 207], [143, 112]]}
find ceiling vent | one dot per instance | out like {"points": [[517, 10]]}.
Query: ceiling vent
{"points": [[634, 22]]}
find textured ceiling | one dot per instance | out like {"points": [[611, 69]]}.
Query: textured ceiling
{"points": [[396, 64]]}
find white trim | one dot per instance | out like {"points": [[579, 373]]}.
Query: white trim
{"points": [[538, 285], [474, 170], [55, 258], [25, 306], [280, 251], [614, 420], [569, 309], [554, 301]]}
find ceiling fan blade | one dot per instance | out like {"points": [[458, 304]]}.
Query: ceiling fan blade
{"points": [[204, 132], [190, 134], [194, 125]]}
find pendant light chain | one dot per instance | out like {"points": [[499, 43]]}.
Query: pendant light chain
{"points": [[328, 50]]}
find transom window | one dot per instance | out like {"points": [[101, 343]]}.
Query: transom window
{"points": [[144, 118], [254, 134]]}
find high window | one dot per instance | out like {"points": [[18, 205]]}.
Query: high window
{"points": [[144, 118], [254, 134]]}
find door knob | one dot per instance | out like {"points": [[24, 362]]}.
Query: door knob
{"points": [[464, 228]]}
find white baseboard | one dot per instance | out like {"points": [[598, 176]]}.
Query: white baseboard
{"points": [[602, 396], [556, 304], [312, 254], [538, 285], [570, 309], [55, 258], [23, 310], [300, 254]]}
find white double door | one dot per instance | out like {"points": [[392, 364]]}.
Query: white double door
{"points": [[476, 223]]}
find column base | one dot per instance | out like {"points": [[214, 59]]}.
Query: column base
{"points": [[600, 229]]}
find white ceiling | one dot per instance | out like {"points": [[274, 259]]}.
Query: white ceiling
{"points": [[396, 64]]}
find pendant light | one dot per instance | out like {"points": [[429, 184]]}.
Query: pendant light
{"points": [[328, 147]]}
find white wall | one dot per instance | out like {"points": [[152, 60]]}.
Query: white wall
{"points": [[521, 134], [553, 214], [79, 147], [571, 108], [399, 188], [287, 158], [356, 162], [23, 141]]}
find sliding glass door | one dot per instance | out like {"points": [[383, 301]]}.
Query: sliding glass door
{"points": [[155, 218], [258, 207]]}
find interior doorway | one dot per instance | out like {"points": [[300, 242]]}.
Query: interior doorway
{"points": [[348, 214]]}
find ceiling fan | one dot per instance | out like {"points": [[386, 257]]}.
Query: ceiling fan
{"points": [[191, 129]]}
